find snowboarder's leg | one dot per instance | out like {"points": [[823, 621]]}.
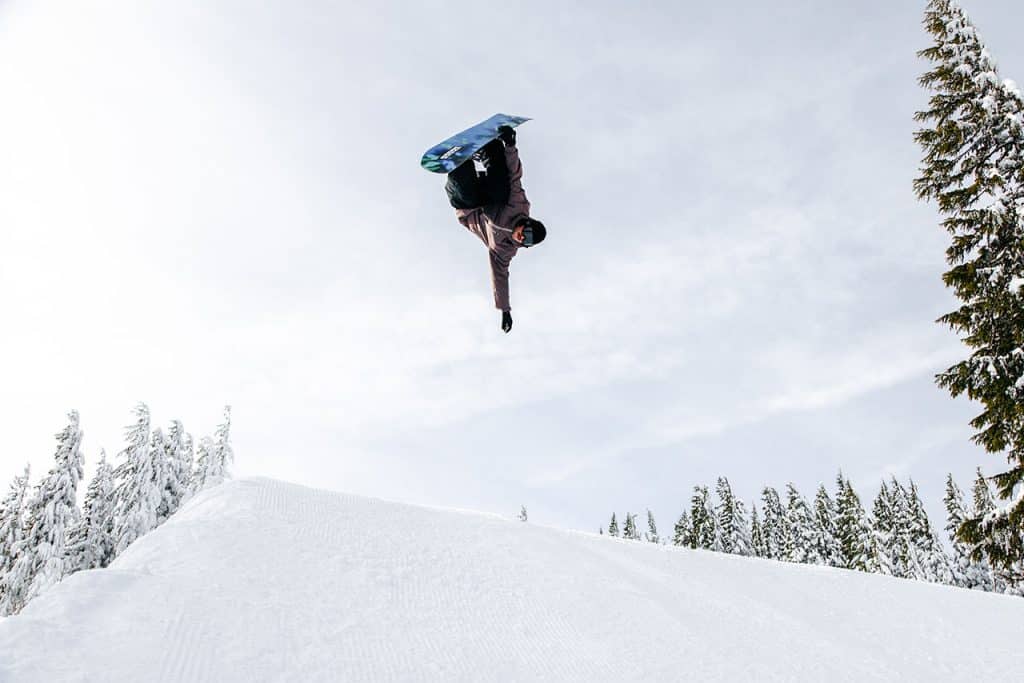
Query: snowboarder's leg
{"points": [[464, 188], [481, 180], [496, 180]]}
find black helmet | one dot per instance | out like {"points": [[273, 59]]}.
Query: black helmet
{"points": [[534, 232]]}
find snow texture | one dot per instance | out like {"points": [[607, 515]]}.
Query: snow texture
{"points": [[257, 580]]}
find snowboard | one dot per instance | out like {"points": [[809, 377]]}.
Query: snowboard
{"points": [[446, 156]]}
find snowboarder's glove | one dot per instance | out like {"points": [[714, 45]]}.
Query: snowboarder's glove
{"points": [[507, 134], [506, 321]]}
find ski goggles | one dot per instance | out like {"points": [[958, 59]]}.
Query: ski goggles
{"points": [[527, 236]]}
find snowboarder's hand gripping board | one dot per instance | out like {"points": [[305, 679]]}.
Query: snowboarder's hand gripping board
{"points": [[446, 156]]}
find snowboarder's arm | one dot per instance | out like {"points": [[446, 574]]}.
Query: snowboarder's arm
{"points": [[499, 281], [516, 197]]}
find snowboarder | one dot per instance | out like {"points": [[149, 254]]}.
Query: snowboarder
{"points": [[493, 206]]}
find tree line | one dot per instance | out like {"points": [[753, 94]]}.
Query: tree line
{"points": [[895, 538], [45, 535]]}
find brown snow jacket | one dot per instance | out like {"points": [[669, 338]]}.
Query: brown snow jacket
{"points": [[494, 225]]}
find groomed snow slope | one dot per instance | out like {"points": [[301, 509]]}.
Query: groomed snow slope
{"points": [[258, 580]]}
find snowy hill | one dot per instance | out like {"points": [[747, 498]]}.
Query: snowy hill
{"points": [[258, 580]]}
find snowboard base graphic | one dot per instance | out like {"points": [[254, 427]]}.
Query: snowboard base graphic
{"points": [[445, 157]]}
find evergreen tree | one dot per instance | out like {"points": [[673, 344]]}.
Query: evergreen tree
{"points": [[967, 573], [214, 456], [522, 514], [886, 534], [731, 515], [757, 544], [984, 505], [827, 544], [630, 531], [137, 494], [91, 545], [704, 530], [973, 167], [682, 533], [613, 528], [204, 463], [12, 526], [801, 541], [177, 475], [652, 529], [222, 455], [931, 560], [50, 514], [853, 529], [774, 528], [160, 460]]}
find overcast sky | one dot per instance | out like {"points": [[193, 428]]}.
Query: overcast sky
{"points": [[221, 202]]}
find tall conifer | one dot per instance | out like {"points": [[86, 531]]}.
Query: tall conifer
{"points": [[682, 531], [756, 533], [801, 539], [973, 167], [731, 514], [50, 514], [827, 544], [932, 561], [12, 528], [892, 556], [613, 528], [774, 527], [853, 529], [702, 517], [630, 531], [652, 529], [92, 541], [138, 494]]}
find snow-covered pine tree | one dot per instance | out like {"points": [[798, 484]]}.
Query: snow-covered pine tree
{"points": [[137, 495], [522, 514], [774, 527], [177, 446], [983, 505], [853, 529], [825, 516], [932, 561], [160, 460], [222, 454], [91, 545], [630, 531], [910, 561], [214, 456], [892, 556], [802, 537], [757, 544], [903, 520], [652, 529], [12, 527], [50, 514], [204, 462], [973, 166], [682, 531], [731, 515], [613, 528], [704, 531], [966, 572], [187, 457]]}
